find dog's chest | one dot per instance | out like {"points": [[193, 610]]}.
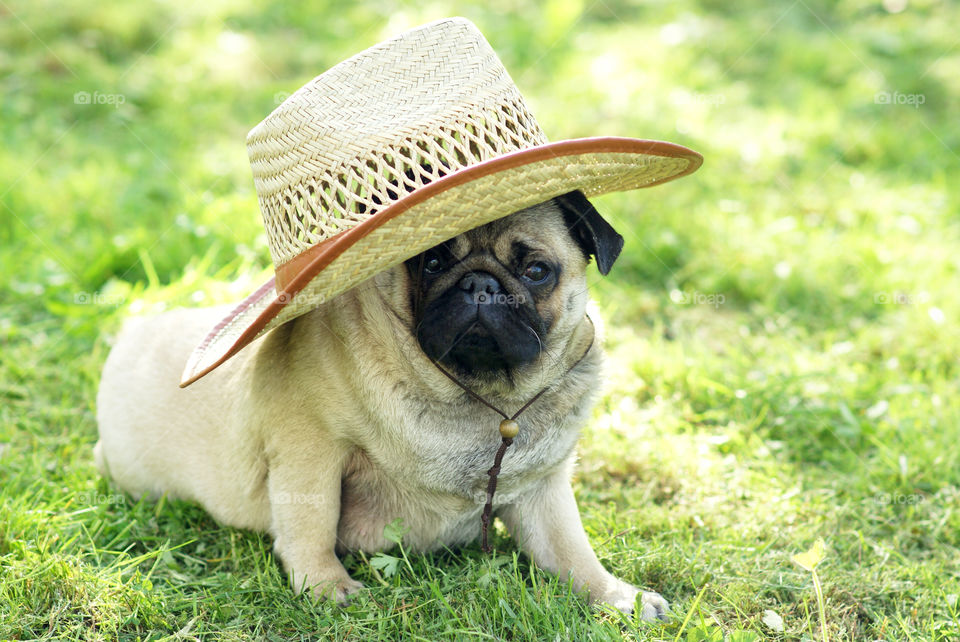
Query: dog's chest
{"points": [[453, 454], [433, 475]]}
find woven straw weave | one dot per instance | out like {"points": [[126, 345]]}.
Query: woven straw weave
{"points": [[379, 125]]}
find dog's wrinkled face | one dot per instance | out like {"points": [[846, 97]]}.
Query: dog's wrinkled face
{"points": [[490, 301]]}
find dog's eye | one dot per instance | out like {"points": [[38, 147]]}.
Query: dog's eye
{"points": [[536, 272], [432, 263]]}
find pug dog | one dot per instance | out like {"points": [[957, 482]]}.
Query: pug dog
{"points": [[339, 422]]}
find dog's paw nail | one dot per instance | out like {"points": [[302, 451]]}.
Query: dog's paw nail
{"points": [[347, 588], [653, 607], [339, 590]]}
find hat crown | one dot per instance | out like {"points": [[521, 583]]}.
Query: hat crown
{"points": [[379, 125]]}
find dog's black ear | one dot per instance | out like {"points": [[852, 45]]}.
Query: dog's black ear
{"points": [[595, 236]]}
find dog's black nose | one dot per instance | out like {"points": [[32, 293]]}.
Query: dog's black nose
{"points": [[480, 284]]}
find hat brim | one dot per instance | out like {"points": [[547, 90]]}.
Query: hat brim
{"points": [[437, 212]]}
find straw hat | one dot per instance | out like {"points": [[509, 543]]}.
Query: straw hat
{"points": [[403, 146]]}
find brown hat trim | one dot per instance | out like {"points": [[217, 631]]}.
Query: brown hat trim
{"points": [[295, 274]]}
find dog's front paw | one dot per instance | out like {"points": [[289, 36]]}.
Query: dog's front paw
{"points": [[624, 598], [339, 590], [337, 587], [653, 607]]}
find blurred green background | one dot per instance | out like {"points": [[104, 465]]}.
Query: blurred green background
{"points": [[781, 327]]}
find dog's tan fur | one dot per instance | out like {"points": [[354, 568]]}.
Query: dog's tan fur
{"points": [[336, 424]]}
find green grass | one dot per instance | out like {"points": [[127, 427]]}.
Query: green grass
{"points": [[782, 327]]}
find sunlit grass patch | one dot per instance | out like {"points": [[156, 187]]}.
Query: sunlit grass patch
{"points": [[781, 328]]}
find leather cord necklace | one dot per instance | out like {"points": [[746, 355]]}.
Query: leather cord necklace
{"points": [[508, 430]]}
